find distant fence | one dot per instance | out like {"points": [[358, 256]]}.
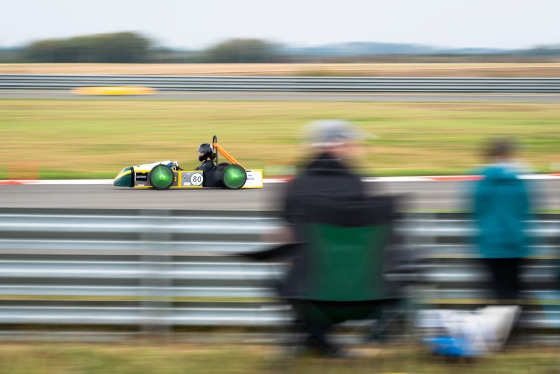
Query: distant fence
{"points": [[167, 269], [284, 84]]}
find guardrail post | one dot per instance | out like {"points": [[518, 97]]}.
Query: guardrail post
{"points": [[409, 241], [155, 239], [427, 240]]}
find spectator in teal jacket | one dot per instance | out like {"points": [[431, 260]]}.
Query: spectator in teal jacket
{"points": [[501, 209]]}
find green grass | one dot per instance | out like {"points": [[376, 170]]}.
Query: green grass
{"points": [[97, 138], [144, 358]]}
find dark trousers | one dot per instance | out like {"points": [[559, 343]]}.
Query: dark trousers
{"points": [[505, 282], [317, 318]]}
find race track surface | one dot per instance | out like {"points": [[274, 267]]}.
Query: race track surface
{"points": [[424, 195], [265, 96]]}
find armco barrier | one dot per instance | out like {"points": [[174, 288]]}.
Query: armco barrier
{"points": [[283, 84], [161, 269]]}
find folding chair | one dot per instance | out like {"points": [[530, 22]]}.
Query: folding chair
{"points": [[338, 270]]}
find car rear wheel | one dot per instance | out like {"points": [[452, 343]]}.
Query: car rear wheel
{"points": [[161, 177], [234, 176]]}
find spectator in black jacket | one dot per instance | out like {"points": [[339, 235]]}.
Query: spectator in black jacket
{"points": [[335, 147]]}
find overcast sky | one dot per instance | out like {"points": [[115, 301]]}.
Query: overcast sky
{"points": [[195, 24]]}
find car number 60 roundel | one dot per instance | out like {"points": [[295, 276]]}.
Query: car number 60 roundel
{"points": [[196, 179]]}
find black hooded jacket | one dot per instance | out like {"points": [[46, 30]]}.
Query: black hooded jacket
{"points": [[324, 177]]}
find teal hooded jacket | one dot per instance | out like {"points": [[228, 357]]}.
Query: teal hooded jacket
{"points": [[501, 212]]}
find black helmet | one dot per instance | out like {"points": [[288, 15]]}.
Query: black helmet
{"points": [[207, 150]]}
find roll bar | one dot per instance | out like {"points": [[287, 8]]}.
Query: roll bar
{"points": [[220, 149]]}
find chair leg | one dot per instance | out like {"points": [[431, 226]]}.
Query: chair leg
{"points": [[378, 332], [315, 329]]}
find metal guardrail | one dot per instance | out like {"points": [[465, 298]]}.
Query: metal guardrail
{"points": [[284, 84], [146, 268]]}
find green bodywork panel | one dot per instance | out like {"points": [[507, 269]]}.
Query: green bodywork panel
{"points": [[124, 179]]}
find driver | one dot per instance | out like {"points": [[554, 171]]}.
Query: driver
{"points": [[207, 156]]}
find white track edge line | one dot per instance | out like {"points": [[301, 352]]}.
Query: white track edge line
{"points": [[442, 178]]}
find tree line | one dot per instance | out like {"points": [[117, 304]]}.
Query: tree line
{"points": [[130, 47]]}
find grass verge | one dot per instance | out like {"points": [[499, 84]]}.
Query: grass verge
{"points": [[96, 139], [144, 358]]}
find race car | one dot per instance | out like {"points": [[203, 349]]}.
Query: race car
{"points": [[163, 175]]}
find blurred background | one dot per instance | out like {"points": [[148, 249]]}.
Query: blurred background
{"points": [[87, 91]]}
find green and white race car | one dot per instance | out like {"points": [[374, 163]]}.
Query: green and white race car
{"points": [[164, 175]]}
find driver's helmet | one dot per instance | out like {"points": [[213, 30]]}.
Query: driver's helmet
{"points": [[206, 150]]}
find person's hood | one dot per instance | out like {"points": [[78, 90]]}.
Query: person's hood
{"points": [[326, 163], [501, 171]]}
